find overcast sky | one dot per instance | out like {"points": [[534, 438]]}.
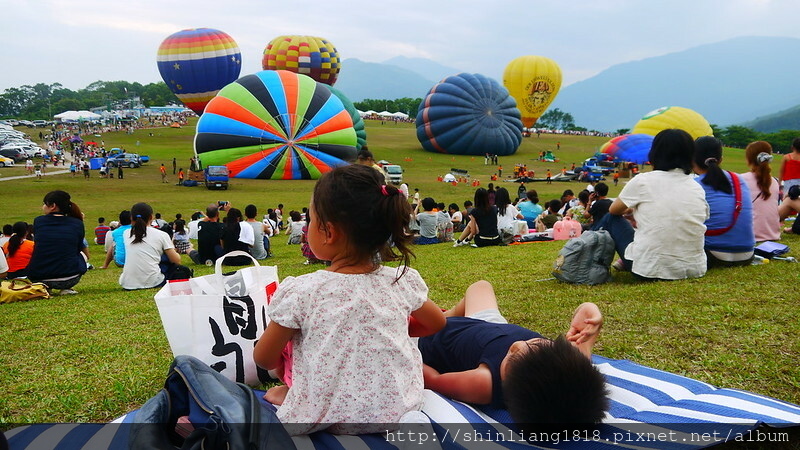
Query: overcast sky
{"points": [[76, 42]]}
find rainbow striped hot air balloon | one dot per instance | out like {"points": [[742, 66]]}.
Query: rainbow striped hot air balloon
{"points": [[276, 125], [629, 147], [197, 63], [307, 55]]}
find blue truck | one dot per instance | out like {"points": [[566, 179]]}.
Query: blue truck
{"points": [[216, 177]]}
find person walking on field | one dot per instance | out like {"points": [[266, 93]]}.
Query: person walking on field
{"points": [[163, 173], [174, 165]]}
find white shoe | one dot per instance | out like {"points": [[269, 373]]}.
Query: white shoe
{"points": [[458, 244], [209, 262], [67, 292]]}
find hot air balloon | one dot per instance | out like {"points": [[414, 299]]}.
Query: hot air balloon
{"points": [[534, 82], [469, 114], [629, 147], [308, 55], [197, 63], [276, 125], [358, 122], [673, 117]]}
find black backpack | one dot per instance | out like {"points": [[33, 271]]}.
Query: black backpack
{"points": [[586, 259]]}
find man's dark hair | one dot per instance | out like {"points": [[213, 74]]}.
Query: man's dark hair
{"points": [[554, 205], [428, 203], [601, 189], [125, 217], [101, 219], [212, 211], [8, 229], [554, 384]]}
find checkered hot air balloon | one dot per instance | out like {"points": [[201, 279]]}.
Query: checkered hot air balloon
{"points": [[197, 63], [276, 125], [307, 55]]}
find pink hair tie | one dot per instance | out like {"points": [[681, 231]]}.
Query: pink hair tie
{"points": [[384, 191]]}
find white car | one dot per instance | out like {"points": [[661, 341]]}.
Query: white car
{"points": [[6, 162]]}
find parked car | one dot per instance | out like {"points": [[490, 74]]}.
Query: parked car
{"points": [[15, 154], [130, 160], [6, 162], [394, 173], [40, 123]]}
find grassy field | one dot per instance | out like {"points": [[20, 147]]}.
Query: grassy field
{"points": [[96, 355]]}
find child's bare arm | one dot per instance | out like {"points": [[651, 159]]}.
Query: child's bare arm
{"points": [[585, 327], [471, 386], [428, 319], [267, 352]]}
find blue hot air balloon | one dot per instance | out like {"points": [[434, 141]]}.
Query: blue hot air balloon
{"points": [[197, 63], [469, 114]]}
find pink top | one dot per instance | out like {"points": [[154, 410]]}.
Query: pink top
{"points": [[766, 221]]}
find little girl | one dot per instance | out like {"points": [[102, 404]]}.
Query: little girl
{"points": [[355, 368]]}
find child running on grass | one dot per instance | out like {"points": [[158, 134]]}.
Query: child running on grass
{"points": [[355, 368]]}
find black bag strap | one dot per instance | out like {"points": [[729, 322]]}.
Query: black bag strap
{"points": [[737, 207]]}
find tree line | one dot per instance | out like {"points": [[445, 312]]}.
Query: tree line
{"points": [[42, 101]]}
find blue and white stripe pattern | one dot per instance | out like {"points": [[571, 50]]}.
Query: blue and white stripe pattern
{"points": [[650, 409]]}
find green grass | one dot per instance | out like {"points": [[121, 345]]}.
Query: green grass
{"points": [[98, 354]]}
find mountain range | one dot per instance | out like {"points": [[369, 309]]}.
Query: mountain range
{"points": [[729, 82]]}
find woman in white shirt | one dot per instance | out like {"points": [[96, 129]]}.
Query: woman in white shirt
{"points": [[669, 210], [150, 257]]}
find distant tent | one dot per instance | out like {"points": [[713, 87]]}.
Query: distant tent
{"points": [[400, 115], [77, 115], [370, 113], [385, 114]]}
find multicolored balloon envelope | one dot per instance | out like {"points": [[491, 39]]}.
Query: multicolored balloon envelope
{"points": [[308, 55], [469, 114], [534, 82], [197, 63], [629, 147], [673, 117], [358, 122], [276, 125]]}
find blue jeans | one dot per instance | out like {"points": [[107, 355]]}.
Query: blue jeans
{"points": [[621, 232]]}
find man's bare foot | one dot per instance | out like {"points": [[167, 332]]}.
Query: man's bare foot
{"points": [[277, 394]]}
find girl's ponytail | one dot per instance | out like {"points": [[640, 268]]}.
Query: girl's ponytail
{"points": [[707, 155], [759, 157], [373, 216], [396, 213], [20, 232], [141, 213]]}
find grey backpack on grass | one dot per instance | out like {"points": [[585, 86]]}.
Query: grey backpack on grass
{"points": [[586, 259]]}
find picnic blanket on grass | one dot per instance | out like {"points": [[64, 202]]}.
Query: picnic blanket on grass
{"points": [[650, 409]]}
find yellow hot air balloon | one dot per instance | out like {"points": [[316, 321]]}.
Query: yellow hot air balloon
{"points": [[673, 117], [533, 81]]}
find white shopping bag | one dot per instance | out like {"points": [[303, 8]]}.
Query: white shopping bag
{"points": [[218, 318]]}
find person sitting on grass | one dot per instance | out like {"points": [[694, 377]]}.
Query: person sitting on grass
{"points": [[530, 208], [598, 205], [483, 223], [354, 367], [116, 252], [428, 220], [57, 258], [18, 251], [480, 358], [729, 237], [150, 257], [550, 216]]}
